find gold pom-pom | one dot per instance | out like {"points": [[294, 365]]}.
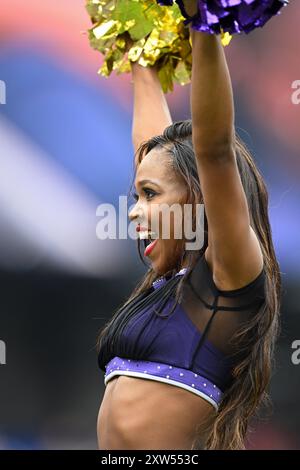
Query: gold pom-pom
{"points": [[158, 36]]}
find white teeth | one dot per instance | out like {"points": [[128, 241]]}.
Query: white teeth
{"points": [[146, 235]]}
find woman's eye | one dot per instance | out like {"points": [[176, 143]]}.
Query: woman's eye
{"points": [[149, 194]]}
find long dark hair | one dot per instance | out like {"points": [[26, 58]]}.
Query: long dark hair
{"points": [[252, 374]]}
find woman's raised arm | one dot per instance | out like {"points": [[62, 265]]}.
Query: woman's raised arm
{"points": [[151, 113], [234, 251], [212, 105]]}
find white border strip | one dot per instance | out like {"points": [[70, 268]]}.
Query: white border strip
{"points": [[161, 379]]}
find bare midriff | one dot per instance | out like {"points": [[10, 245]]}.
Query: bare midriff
{"points": [[141, 414]]}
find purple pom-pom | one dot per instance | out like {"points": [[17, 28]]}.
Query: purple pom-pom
{"points": [[232, 16]]}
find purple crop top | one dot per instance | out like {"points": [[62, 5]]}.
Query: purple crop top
{"points": [[191, 348]]}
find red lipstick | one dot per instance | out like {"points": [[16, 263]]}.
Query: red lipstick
{"points": [[150, 247]]}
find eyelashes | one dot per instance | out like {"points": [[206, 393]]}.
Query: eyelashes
{"points": [[149, 194]]}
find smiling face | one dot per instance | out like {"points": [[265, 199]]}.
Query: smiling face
{"points": [[158, 184]]}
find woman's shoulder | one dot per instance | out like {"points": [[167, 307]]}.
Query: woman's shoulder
{"points": [[202, 276]]}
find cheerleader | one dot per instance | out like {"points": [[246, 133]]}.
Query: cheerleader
{"points": [[188, 356]]}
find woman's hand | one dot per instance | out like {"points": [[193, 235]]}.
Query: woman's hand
{"points": [[135, 67], [190, 6], [128, 41]]}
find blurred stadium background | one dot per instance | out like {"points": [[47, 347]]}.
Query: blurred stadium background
{"points": [[65, 147]]}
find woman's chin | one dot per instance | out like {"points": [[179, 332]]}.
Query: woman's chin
{"points": [[161, 263], [158, 267]]}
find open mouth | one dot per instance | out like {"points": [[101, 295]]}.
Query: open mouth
{"points": [[149, 238]]}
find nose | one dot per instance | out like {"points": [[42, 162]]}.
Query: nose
{"points": [[136, 212]]}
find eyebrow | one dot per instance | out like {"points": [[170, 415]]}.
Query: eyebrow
{"points": [[146, 181]]}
